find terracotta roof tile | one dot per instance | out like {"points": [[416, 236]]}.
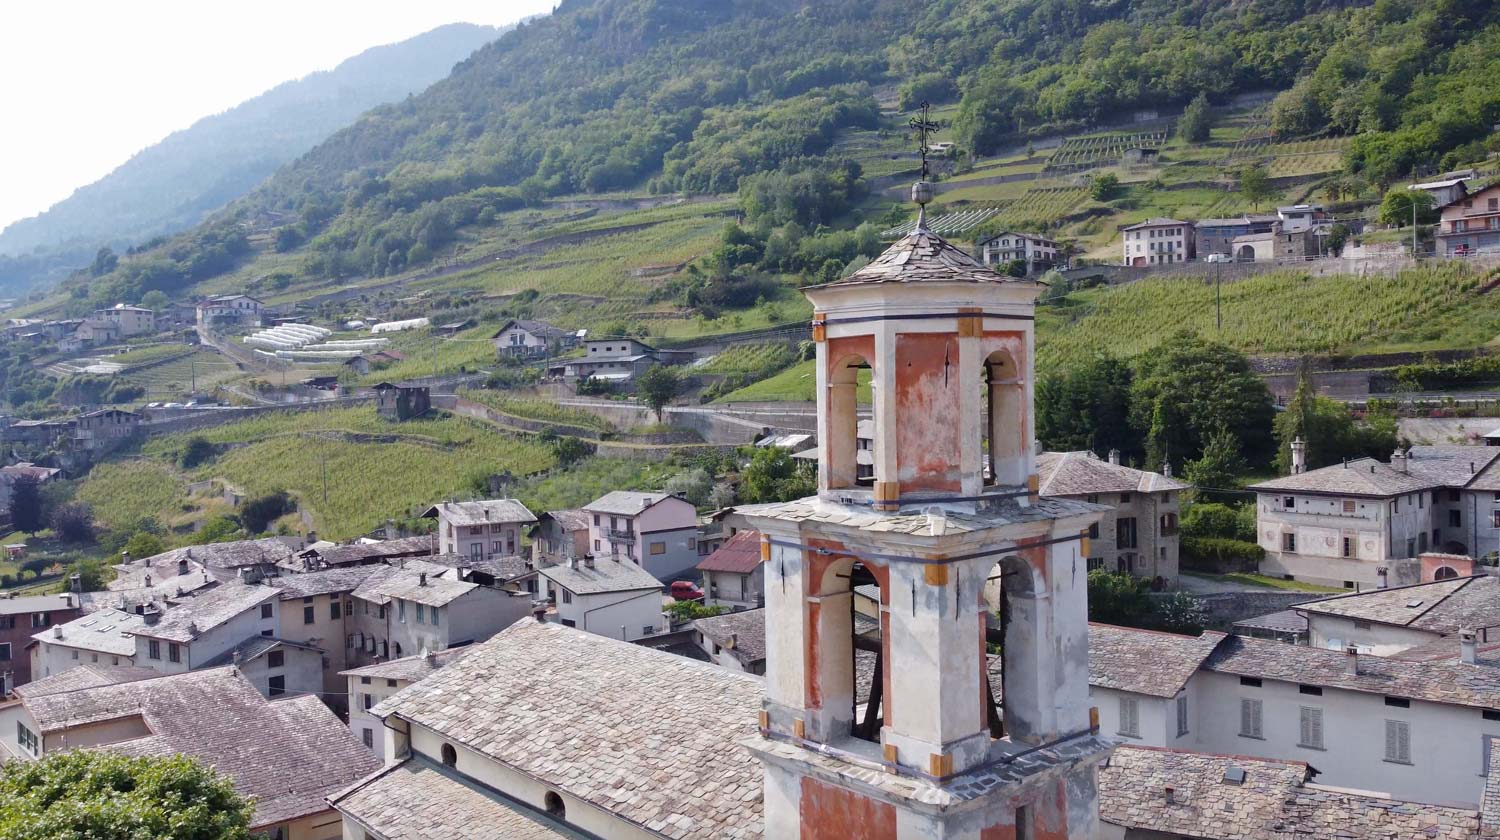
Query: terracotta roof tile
{"points": [[739, 554]]}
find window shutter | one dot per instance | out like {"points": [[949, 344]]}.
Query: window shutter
{"points": [[1404, 736], [1306, 734], [1317, 728]]}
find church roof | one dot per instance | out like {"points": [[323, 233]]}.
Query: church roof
{"points": [[924, 257]]}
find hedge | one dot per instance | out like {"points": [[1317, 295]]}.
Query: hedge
{"points": [[1221, 552]]}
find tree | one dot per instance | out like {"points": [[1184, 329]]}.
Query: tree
{"points": [[1396, 207], [91, 574], [35, 566], [218, 529], [195, 451], [1118, 598], [1104, 186], [1187, 389], [1196, 122], [695, 485], [26, 512], [570, 450], [1220, 465], [773, 475], [722, 496], [106, 796], [659, 385], [156, 300], [1329, 430], [1013, 268], [74, 522], [257, 514], [1255, 184], [144, 544], [1087, 407], [1338, 235]]}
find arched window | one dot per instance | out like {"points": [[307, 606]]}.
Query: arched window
{"points": [[555, 806], [1444, 573], [1006, 428], [851, 446], [450, 755]]}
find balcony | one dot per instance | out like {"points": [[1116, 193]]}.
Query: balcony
{"points": [[620, 536]]}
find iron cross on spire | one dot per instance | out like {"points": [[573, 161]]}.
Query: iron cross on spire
{"points": [[923, 125]]}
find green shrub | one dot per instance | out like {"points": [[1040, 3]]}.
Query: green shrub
{"points": [[1220, 552]]}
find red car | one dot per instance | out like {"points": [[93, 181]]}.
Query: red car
{"points": [[685, 590]]}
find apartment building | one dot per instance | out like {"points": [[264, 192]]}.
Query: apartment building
{"points": [[656, 531], [1158, 241], [481, 530]]}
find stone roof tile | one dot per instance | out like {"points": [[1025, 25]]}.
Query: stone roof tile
{"points": [[420, 800], [1444, 606], [924, 257], [1083, 474]]}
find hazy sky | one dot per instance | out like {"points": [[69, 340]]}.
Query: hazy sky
{"points": [[84, 84]]}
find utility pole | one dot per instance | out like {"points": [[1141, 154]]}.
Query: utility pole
{"points": [[1218, 312], [325, 483], [1413, 227]]}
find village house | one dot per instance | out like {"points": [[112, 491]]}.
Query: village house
{"points": [[656, 531], [1300, 217], [1386, 622], [104, 429], [22, 616], [604, 596], [1037, 252], [1158, 241], [480, 530], [284, 756], [1445, 191], [1278, 245], [1471, 224], [236, 560], [424, 606], [733, 576], [735, 640], [127, 320], [366, 363], [316, 611], [1139, 534], [399, 403], [526, 339], [105, 637], [1148, 793], [9, 475], [91, 333], [156, 579], [362, 553], [1343, 524], [1216, 236], [559, 535], [277, 667], [230, 310], [617, 360], [369, 686]]}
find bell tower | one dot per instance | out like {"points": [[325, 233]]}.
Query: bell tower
{"points": [[885, 714]]}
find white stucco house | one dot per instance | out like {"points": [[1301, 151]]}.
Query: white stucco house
{"points": [[610, 597], [369, 686]]}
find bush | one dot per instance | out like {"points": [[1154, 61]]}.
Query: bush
{"points": [[927, 87], [1179, 612], [688, 610], [1220, 553], [74, 522], [258, 513], [195, 451], [1214, 520]]}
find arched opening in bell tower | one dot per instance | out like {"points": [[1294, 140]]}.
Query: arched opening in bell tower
{"points": [[1011, 593], [851, 425], [868, 654], [1005, 421]]}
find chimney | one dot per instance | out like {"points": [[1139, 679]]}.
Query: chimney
{"points": [[148, 580], [182, 566], [1466, 647], [67, 599], [421, 578], [540, 614], [573, 562], [588, 561], [1166, 468], [57, 631], [1114, 456], [192, 628], [1299, 456], [1383, 577], [1351, 659], [734, 640], [1398, 461], [235, 658]]}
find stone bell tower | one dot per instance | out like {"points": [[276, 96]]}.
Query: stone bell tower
{"points": [[884, 715]]}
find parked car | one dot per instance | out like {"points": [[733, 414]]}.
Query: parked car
{"points": [[1218, 258], [685, 590]]}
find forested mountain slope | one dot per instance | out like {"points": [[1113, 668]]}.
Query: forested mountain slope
{"points": [[692, 95], [177, 182]]}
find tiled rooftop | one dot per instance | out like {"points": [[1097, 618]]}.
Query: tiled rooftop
{"points": [[623, 502], [106, 631], [1436, 682], [410, 668], [1083, 473], [374, 587], [87, 675], [574, 519], [742, 634], [25, 605], [1427, 467], [914, 522], [254, 648], [740, 554], [231, 555], [322, 582], [924, 257], [644, 734], [1444, 606], [195, 616], [1274, 802], [1145, 661], [369, 552], [486, 512], [583, 578], [409, 584], [424, 801]]}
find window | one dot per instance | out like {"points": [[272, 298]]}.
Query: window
{"points": [[555, 806], [433, 614], [1289, 541], [1124, 498], [265, 610], [401, 611], [421, 614], [1125, 532], [1398, 741], [1422, 543], [1495, 519], [1455, 518], [1411, 548], [1348, 547], [367, 700], [1311, 733], [692, 543], [658, 548], [4, 651], [1250, 718], [276, 659], [1094, 531], [1289, 502], [495, 547], [334, 611], [450, 755], [1182, 715], [308, 615], [567, 597], [1348, 506], [153, 649], [1251, 682], [277, 685], [174, 653], [390, 683], [1398, 702], [26, 738], [596, 520], [1453, 496], [364, 680], [1095, 563], [1311, 690], [368, 736], [1130, 716]]}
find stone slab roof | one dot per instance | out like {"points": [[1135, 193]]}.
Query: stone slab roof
{"points": [[1282, 621], [409, 585], [25, 605], [256, 647], [623, 502], [106, 631], [485, 512], [164, 574], [644, 734], [374, 588], [1146, 661], [603, 576], [369, 552], [410, 668], [742, 633], [1427, 467], [420, 800], [87, 675], [1444, 606], [216, 715], [192, 617], [912, 521], [1274, 802], [1155, 221], [575, 519], [924, 257], [739, 554], [232, 555], [1436, 682], [1084, 473], [322, 582], [501, 568]]}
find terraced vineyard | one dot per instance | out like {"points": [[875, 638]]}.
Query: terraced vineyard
{"points": [[205, 368], [948, 223], [539, 409], [1096, 149], [1042, 204], [758, 360]]}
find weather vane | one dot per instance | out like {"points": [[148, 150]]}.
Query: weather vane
{"points": [[923, 125]]}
